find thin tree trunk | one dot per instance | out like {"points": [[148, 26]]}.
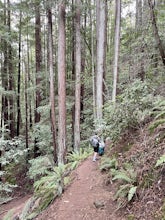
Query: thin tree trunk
{"points": [[78, 79], [29, 82], [11, 81], [5, 115], [61, 87], [101, 39], [73, 70], [93, 62], [116, 50], [38, 69], [51, 74], [156, 34], [19, 79], [26, 108]]}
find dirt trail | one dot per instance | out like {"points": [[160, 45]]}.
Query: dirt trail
{"points": [[85, 198]]}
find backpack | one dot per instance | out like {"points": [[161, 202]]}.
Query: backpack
{"points": [[101, 148], [94, 141]]}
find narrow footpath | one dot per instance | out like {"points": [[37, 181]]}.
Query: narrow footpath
{"points": [[85, 199]]}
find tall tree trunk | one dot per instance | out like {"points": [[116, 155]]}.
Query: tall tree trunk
{"points": [[29, 81], [73, 70], [101, 39], [38, 68], [19, 78], [93, 61], [11, 80], [116, 49], [26, 109], [51, 74], [78, 78], [4, 114], [140, 49], [61, 87], [156, 34]]}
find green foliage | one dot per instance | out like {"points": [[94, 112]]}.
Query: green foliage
{"points": [[42, 133], [79, 156], [160, 161], [130, 109], [50, 186], [127, 180], [155, 124], [40, 165], [13, 151], [159, 114], [108, 163], [9, 215]]}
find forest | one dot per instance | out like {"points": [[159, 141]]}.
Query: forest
{"points": [[69, 69]]}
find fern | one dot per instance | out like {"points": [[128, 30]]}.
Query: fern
{"points": [[160, 115], [160, 161], [108, 163], [39, 166], [155, 124], [78, 156], [131, 193], [50, 186], [122, 175], [127, 188], [122, 192]]}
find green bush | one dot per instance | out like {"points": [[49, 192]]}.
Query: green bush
{"points": [[129, 110], [127, 178]]}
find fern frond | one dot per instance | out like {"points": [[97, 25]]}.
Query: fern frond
{"points": [[122, 175], [155, 124], [107, 163], [122, 191], [160, 115], [131, 193], [160, 161]]}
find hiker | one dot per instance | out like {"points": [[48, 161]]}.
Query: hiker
{"points": [[94, 141]]}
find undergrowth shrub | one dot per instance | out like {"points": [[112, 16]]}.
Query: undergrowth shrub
{"points": [[130, 109], [107, 163], [127, 180], [158, 112], [12, 152], [39, 166]]}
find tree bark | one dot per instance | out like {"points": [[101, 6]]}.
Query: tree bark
{"points": [[78, 79], [116, 49], [61, 87], [100, 53], [19, 79], [38, 69], [11, 78], [155, 30]]}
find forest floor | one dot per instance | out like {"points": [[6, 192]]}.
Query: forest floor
{"points": [[86, 198], [91, 192]]}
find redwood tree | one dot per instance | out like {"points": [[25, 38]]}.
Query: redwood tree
{"points": [[61, 86], [78, 78], [38, 55], [100, 55], [116, 48]]}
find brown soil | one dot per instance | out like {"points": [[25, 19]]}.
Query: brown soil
{"points": [[15, 206], [86, 198]]}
